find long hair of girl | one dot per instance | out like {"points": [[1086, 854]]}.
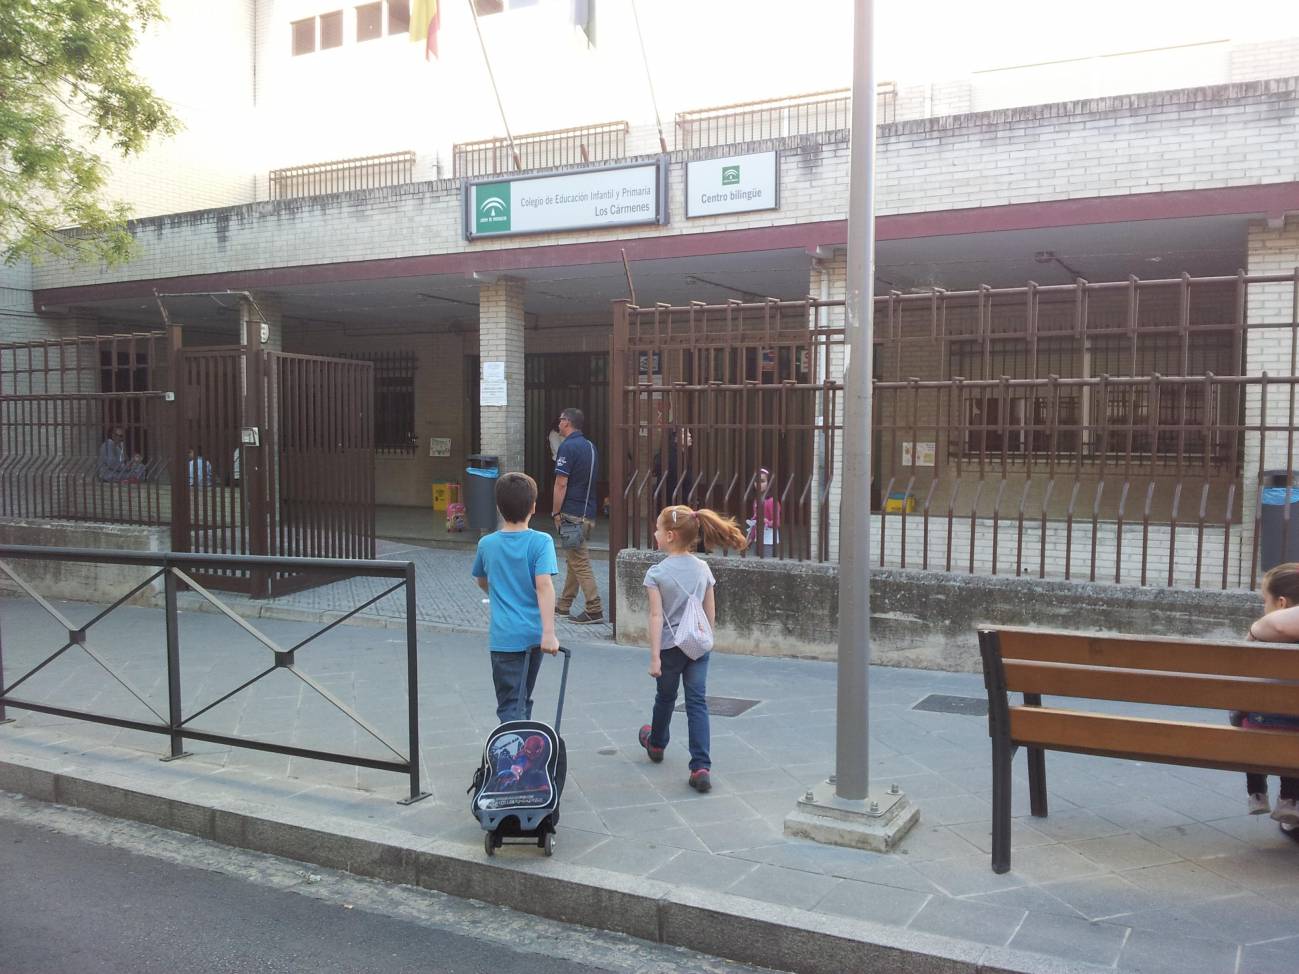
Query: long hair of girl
{"points": [[717, 530]]}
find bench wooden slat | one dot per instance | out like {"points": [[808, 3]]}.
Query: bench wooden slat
{"points": [[1151, 686], [1231, 748], [1265, 660]]}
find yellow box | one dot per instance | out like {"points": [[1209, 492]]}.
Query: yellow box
{"points": [[445, 494], [899, 503]]}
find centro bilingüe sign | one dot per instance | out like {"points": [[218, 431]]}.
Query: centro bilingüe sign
{"points": [[580, 199]]}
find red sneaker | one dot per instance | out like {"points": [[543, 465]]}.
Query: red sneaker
{"points": [[655, 753], [700, 780]]}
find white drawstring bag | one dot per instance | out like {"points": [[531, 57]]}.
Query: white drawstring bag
{"points": [[692, 634]]}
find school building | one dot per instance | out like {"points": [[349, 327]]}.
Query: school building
{"points": [[1086, 316]]}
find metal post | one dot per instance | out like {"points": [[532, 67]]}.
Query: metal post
{"points": [[852, 745], [622, 440], [412, 689], [3, 718], [174, 715]]}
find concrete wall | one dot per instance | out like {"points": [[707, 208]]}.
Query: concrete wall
{"points": [[82, 581], [922, 619], [1178, 140]]}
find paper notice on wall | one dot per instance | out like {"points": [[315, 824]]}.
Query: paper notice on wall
{"points": [[491, 389], [922, 452], [439, 446]]}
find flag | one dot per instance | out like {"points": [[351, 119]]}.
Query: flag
{"points": [[425, 19], [584, 17]]}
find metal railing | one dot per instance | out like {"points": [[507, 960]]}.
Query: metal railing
{"points": [[343, 175], [750, 121], [541, 150], [175, 570]]}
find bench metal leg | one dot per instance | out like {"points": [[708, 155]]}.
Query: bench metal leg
{"points": [[1037, 782], [1001, 754]]}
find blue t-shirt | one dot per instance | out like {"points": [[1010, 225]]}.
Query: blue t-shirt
{"points": [[510, 561], [577, 460]]}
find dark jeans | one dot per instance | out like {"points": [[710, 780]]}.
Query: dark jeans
{"points": [[1256, 784], [508, 673], [678, 668]]}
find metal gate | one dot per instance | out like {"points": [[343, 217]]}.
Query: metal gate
{"points": [[274, 456], [553, 382]]}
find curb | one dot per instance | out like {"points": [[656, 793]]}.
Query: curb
{"points": [[740, 929]]}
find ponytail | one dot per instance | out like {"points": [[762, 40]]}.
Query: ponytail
{"points": [[715, 530]]}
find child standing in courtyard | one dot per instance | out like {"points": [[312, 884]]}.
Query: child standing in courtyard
{"points": [[515, 567], [672, 584], [1279, 624]]}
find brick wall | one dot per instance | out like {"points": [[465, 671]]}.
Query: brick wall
{"points": [[1132, 144], [1264, 59], [501, 338]]}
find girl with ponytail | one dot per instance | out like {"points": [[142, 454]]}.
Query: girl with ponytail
{"points": [[678, 585]]}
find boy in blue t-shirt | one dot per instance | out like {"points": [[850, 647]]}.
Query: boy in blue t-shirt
{"points": [[514, 567]]}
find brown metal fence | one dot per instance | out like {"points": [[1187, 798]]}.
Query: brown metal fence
{"points": [[1139, 432], [750, 121], [84, 430], [541, 150], [342, 175]]}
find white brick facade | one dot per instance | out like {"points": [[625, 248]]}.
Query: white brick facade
{"points": [[501, 338]]}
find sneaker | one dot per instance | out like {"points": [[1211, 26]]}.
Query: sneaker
{"points": [[700, 780], [587, 618], [1258, 804], [562, 610], [655, 753], [1286, 811]]}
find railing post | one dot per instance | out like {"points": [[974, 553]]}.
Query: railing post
{"points": [[412, 688], [3, 718], [621, 440], [174, 716]]}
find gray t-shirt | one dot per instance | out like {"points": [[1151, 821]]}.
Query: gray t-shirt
{"points": [[677, 577]]}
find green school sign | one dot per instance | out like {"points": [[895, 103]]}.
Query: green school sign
{"points": [[608, 196]]}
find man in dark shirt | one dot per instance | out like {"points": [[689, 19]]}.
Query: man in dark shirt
{"points": [[574, 509]]}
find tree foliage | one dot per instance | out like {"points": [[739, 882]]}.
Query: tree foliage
{"points": [[66, 86]]}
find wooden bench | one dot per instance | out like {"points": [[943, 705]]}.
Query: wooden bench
{"points": [[1260, 677]]}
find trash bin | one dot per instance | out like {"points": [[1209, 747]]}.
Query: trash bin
{"points": [[480, 491], [1278, 539]]}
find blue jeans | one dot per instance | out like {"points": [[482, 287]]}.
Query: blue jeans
{"points": [[509, 670], [678, 668]]}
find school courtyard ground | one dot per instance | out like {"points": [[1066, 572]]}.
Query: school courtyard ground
{"points": [[1138, 868]]}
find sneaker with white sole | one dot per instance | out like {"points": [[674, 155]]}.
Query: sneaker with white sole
{"points": [[587, 618], [1286, 811], [1258, 803]]}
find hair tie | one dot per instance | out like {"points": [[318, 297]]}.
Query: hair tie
{"points": [[695, 515]]}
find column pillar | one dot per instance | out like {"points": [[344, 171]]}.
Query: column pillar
{"points": [[827, 282], [501, 340], [1270, 346]]}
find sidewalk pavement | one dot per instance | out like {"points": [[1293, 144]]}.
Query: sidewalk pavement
{"points": [[1139, 868], [447, 596]]}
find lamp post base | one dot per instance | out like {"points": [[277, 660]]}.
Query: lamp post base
{"points": [[877, 824]]}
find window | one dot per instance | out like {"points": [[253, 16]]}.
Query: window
{"points": [[398, 16], [369, 22], [394, 400], [485, 7], [304, 36], [331, 30]]}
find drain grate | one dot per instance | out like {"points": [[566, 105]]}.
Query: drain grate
{"points": [[942, 703], [724, 706]]}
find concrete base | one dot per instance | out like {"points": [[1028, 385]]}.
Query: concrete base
{"points": [[876, 824]]}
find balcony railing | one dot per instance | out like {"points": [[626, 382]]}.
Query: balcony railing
{"points": [[343, 175], [821, 111], [541, 150]]}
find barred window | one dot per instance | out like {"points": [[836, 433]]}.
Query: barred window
{"points": [[394, 400]]}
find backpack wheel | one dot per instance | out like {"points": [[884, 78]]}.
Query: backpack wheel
{"points": [[489, 843], [548, 844]]}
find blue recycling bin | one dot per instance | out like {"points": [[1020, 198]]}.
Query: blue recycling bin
{"points": [[480, 491], [1278, 536]]}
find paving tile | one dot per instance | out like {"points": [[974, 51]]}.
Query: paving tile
{"points": [[925, 842], [785, 887], [636, 819], [1050, 863], [1101, 897], [881, 870], [715, 809], [1073, 824], [1071, 938], [1273, 958], [703, 871], [1134, 816], [628, 856], [1124, 851], [966, 920], [1034, 899], [1182, 881], [725, 837], [1197, 841], [1149, 952], [798, 854], [878, 904], [964, 875], [1023, 835]]}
